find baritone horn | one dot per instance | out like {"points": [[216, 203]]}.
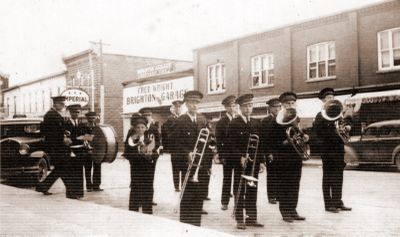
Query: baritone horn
{"points": [[333, 111], [288, 117]]}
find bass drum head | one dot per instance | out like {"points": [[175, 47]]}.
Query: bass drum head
{"points": [[105, 146]]}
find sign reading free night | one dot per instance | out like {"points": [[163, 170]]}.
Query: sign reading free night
{"points": [[76, 96]]}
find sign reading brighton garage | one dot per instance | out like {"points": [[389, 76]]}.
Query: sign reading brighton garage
{"points": [[75, 96], [155, 70], [155, 94]]}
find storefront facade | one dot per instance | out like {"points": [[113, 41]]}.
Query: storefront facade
{"points": [[156, 87]]}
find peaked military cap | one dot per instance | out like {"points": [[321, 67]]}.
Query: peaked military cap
{"points": [[91, 114], [244, 99], [74, 107], [287, 96], [193, 95], [274, 102], [58, 98], [138, 119], [229, 100], [146, 111], [326, 91], [177, 102]]}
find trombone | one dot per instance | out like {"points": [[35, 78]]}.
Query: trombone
{"points": [[197, 154], [252, 148]]}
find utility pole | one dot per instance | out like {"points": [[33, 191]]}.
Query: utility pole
{"points": [[100, 43]]}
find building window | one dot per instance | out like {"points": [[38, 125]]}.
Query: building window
{"points": [[15, 104], [262, 70], [216, 78], [389, 49], [321, 61]]}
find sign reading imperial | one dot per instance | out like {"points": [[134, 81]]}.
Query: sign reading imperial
{"points": [[155, 94], [155, 70], [75, 96]]}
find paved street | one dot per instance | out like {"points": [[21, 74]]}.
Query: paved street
{"points": [[374, 197]]}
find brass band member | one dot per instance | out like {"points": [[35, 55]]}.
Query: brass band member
{"points": [[75, 126], [152, 128], [138, 149], [178, 165], [185, 132], [274, 106], [221, 133], [288, 162], [239, 132], [93, 181], [332, 154], [56, 146]]}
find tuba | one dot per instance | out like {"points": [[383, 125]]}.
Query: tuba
{"points": [[252, 147], [333, 111], [294, 134], [197, 156]]}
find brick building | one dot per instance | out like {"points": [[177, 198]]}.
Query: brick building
{"points": [[355, 52], [3, 85], [101, 76]]}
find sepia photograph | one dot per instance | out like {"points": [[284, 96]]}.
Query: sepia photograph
{"points": [[200, 118]]}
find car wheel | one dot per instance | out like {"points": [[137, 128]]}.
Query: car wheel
{"points": [[42, 170], [397, 159]]}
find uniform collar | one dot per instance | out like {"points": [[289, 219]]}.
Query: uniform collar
{"points": [[230, 117], [193, 118]]}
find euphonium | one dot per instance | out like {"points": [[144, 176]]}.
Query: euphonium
{"points": [[294, 134], [197, 156], [333, 111]]}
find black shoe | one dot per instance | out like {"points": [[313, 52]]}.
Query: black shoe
{"points": [[241, 226], [296, 217], [344, 208], [207, 199], [98, 189], [272, 200], [288, 219], [254, 223], [177, 190], [46, 193], [203, 212], [154, 203], [224, 207], [72, 197], [332, 209]]}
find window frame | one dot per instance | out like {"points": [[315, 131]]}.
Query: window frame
{"points": [[391, 49], [222, 76], [252, 73], [326, 45]]}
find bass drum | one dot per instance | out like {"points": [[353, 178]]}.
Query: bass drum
{"points": [[105, 145]]}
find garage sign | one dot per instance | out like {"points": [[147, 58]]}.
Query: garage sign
{"points": [[76, 96]]}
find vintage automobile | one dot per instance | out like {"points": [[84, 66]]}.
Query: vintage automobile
{"points": [[22, 150], [379, 144]]}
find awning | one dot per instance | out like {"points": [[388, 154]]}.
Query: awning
{"points": [[372, 97]]}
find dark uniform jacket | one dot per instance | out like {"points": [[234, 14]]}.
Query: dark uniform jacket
{"points": [[221, 134], [166, 129], [329, 140], [76, 131], [274, 142], [53, 129], [265, 125], [185, 134], [238, 137]]}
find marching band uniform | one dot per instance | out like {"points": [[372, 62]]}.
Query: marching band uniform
{"points": [[53, 129], [74, 125], [141, 166], [239, 131], [288, 164], [186, 132], [221, 133], [272, 173], [152, 128], [92, 181], [169, 146], [332, 155]]}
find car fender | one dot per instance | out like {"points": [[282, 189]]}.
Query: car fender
{"points": [[38, 154], [395, 151], [350, 155]]}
